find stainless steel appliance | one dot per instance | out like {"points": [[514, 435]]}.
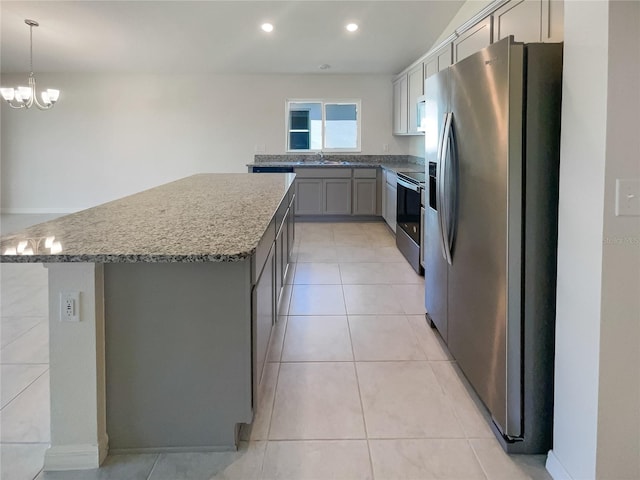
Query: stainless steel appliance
{"points": [[408, 218], [492, 155]]}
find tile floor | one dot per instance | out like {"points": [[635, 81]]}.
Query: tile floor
{"points": [[357, 386]]}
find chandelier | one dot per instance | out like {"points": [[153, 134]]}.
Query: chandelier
{"points": [[26, 97]]}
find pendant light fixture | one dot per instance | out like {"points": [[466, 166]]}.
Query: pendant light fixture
{"points": [[26, 97]]}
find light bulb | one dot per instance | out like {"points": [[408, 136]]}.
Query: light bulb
{"points": [[45, 98], [53, 94], [11, 251], [24, 93], [49, 241], [8, 93], [21, 246], [56, 248], [352, 27], [267, 27]]}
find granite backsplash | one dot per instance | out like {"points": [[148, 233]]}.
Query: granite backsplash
{"points": [[337, 157]]}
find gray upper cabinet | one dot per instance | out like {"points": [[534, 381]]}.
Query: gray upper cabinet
{"points": [[415, 79], [474, 39], [400, 95]]}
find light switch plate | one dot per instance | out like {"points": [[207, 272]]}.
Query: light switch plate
{"points": [[628, 197]]}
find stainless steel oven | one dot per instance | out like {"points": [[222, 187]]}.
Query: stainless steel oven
{"points": [[409, 217]]}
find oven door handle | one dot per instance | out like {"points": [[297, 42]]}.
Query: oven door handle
{"points": [[409, 186]]}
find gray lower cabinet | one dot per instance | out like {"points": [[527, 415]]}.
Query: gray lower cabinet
{"points": [[309, 196], [391, 203], [264, 311], [364, 196], [336, 196]]}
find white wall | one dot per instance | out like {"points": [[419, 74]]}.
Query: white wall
{"points": [[597, 382], [618, 453], [582, 164], [112, 135]]}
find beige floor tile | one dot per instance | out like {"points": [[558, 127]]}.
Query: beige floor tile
{"points": [[21, 461], [317, 274], [15, 378], [12, 328], [244, 464], [30, 301], [411, 297], [350, 253], [316, 401], [311, 253], [429, 339], [384, 337], [115, 467], [472, 415], [371, 300], [404, 400], [27, 274], [259, 429], [500, 466], [424, 459], [354, 239], [317, 300], [26, 418], [317, 460], [379, 273], [348, 228], [317, 339], [32, 347], [274, 352]]}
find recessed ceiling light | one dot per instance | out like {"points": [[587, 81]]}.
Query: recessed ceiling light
{"points": [[352, 27], [267, 27]]}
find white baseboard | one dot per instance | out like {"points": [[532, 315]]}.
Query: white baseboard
{"points": [[75, 457], [555, 468], [38, 211]]}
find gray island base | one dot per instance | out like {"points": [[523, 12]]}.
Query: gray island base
{"points": [[174, 324]]}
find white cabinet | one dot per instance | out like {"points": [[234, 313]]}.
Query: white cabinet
{"points": [[474, 39], [390, 198], [415, 81], [400, 99], [529, 21], [438, 61], [520, 18]]}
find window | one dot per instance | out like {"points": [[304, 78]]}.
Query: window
{"points": [[314, 125]]}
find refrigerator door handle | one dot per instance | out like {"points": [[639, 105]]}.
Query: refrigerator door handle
{"points": [[446, 193], [440, 188]]}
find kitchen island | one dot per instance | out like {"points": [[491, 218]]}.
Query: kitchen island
{"points": [[160, 307]]}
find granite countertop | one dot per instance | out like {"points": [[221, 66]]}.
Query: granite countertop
{"points": [[202, 218], [394, 163]]}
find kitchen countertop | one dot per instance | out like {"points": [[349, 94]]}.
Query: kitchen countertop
{"points": [[202, 218], [394, 167]]}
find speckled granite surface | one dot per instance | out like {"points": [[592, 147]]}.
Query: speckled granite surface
{"points": [[395, 163], [202, 218]]}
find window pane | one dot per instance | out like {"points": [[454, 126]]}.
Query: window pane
{"points": [[341, 125], [305, 126]]}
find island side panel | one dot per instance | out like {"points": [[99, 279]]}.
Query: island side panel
{"points": [[77, 369], [178, 355]]}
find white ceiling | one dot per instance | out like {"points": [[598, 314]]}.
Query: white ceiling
{"points": [[220, 36]]}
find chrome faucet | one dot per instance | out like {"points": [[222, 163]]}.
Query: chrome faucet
{"points": [[321, 155]]}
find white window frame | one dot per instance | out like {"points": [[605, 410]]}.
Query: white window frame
{"points": [[323, 102]]}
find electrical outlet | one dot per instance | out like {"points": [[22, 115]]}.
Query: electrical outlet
{"points": [[69, 306]]}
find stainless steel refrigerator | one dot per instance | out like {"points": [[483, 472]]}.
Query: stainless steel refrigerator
{"points": [[492, 160]]}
